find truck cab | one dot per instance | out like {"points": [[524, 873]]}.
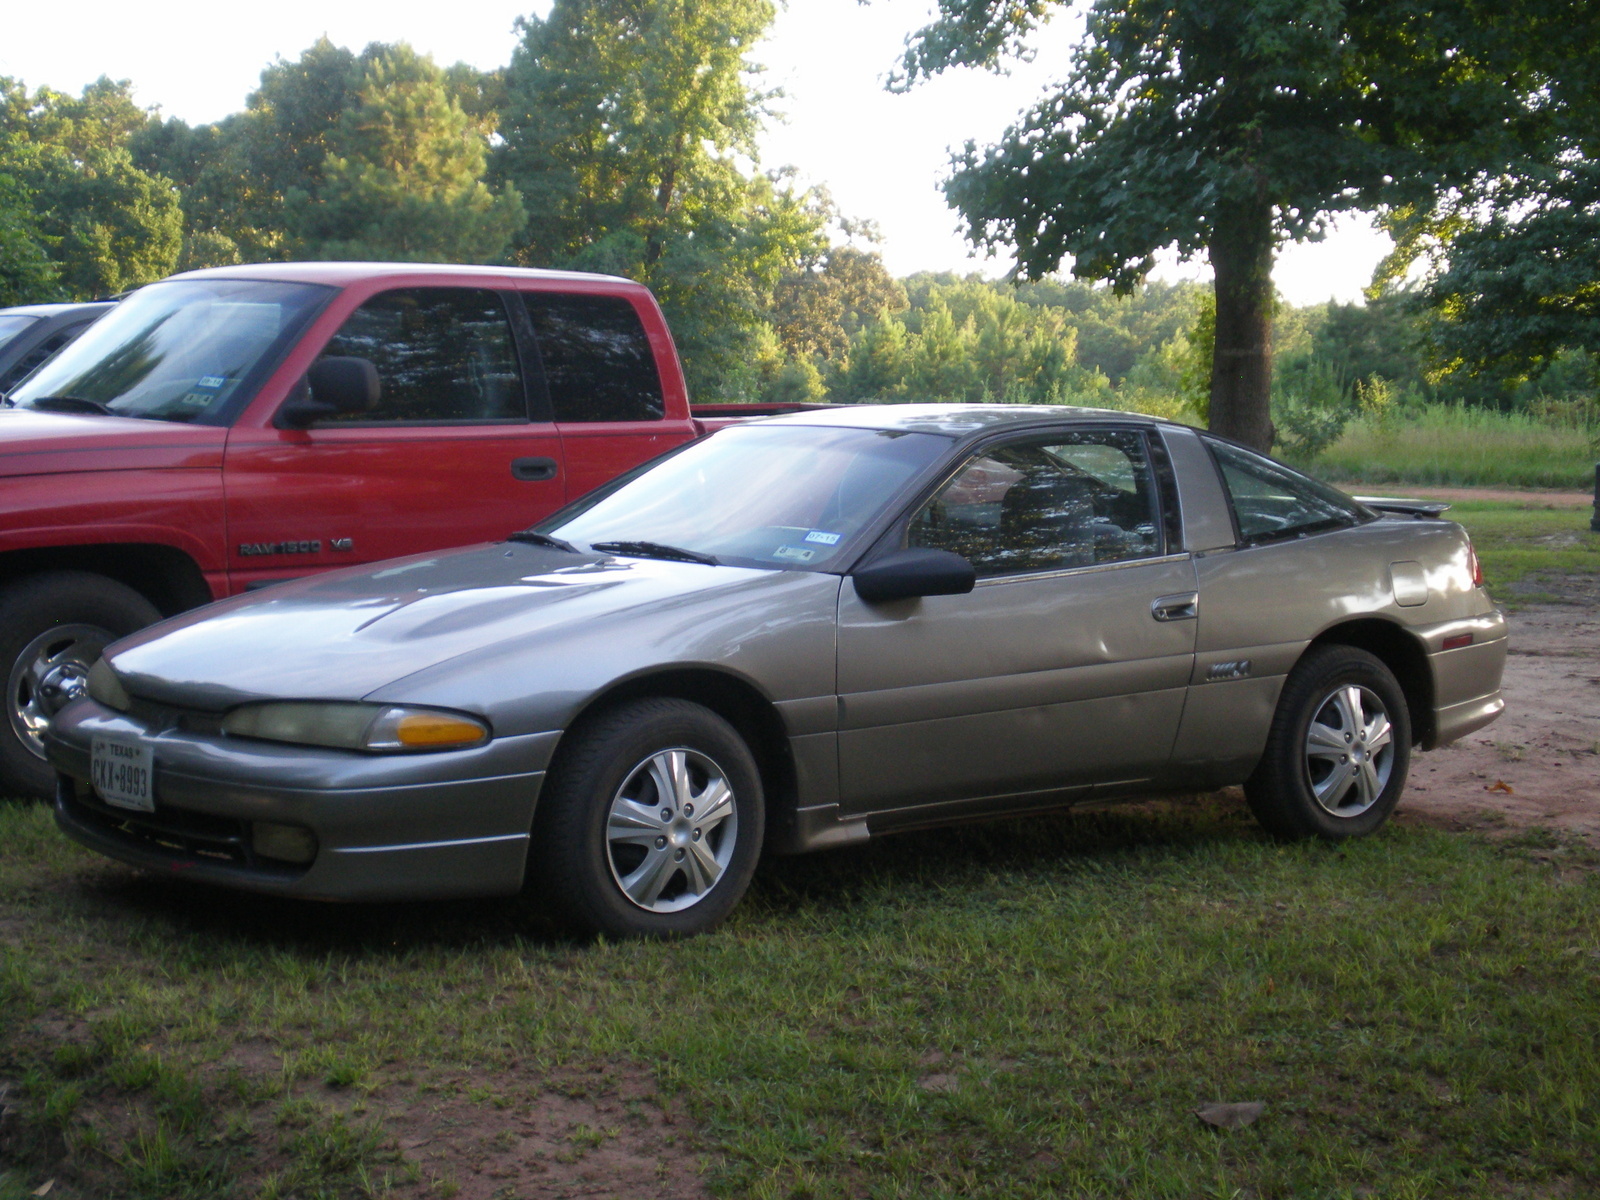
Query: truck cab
{"points": [[229, 428]]}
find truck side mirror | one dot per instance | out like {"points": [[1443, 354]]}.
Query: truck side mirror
{"points": [[335, 385], [905, 574]]}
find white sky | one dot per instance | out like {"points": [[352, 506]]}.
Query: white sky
{"points": [[881, 155]]}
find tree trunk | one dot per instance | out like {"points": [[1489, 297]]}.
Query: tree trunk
{"points": [[1241, 364]]}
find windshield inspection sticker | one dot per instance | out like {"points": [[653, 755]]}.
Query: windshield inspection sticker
{"points": [[826, 539], [210, 383], [797, 553]]}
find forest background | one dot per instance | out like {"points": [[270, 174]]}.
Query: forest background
{"points": [[618, 143]]}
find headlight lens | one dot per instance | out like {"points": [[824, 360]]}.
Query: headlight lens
{"points": [[105, 687], [381, 727]]}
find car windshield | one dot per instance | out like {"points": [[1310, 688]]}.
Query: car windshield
{"points": [[12, 324], [763, 495], [177, 351]]}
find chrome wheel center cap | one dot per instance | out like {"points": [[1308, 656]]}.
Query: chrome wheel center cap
{"points": [[61, 685]]}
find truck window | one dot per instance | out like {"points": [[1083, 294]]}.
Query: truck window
{"points": [[444, 356], [597, 359]]}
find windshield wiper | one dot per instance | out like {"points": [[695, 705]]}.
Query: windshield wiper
{"points": [[71, 404], [655, 550], [534, 538]]}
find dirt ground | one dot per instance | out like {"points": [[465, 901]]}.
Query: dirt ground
{"points": [[1539, 764]]}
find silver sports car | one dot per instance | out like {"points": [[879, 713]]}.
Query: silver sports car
{"points": [[795, 634]]}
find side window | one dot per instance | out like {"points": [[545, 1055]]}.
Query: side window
{"points": [[597, 358], [1271, 501], [1072, 500], [444, 355]]}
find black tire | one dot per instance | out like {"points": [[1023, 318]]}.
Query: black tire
{"points": [[1326, 789], [685, 872], [86, 611]]}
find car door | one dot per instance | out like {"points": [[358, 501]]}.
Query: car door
{"points": [[605, 385], [448, 455], [1064, 669]]}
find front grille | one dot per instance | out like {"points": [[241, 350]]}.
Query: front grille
{"points": [[160, 717], [179, 834]]}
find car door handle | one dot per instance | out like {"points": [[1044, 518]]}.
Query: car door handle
{"points": [[1184, 607], [533, 470]]}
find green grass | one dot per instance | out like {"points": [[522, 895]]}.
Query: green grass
{"points": [[1032, 1009], [1464, 447], [1517, 541]]}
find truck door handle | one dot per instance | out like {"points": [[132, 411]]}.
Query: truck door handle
{"points": [[533, 470], [1184, 607]]}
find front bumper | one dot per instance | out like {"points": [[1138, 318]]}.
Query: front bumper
{"points": [[387, 827]]}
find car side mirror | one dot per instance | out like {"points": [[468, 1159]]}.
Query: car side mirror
{"points": [[334, 385], [905, 574]]}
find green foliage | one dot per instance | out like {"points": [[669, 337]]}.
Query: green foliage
{"points": [[27, 276], [965, 340], [1217, 128], [401, 175], [1458, 445], [626, 128], [1514, 253], [78, 218]]}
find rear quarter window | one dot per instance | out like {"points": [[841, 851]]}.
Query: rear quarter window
{"points": [[1271, 501]]}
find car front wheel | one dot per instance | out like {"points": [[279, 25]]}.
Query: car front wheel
{"points": [[52, 629], [1338, 750], [650, 823]]}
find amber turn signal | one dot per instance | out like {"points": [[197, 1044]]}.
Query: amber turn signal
{"points": [[428, 730]]}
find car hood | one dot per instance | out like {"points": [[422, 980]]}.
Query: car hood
{"points": [[46, 443], [348, 634]]}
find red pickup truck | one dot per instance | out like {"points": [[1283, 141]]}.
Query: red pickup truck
{"points": [[224, 429]]}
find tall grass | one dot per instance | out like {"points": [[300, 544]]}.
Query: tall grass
{"points": [[1447, 444]]}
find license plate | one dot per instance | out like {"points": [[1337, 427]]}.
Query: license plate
{"points": [[121, 771]]}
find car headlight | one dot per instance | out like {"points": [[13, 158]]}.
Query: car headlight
{"points": [[380, 727], [105, 687]]}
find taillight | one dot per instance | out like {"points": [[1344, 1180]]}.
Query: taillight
{"points": [[1477, 567]]}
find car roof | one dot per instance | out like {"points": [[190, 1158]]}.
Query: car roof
{"points": [[341, 274], [54, 310], [959, 420]]}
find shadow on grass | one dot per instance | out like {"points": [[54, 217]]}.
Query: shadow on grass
{"points": [[913, 865]]}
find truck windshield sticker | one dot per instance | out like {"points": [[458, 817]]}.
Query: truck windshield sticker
{"points": [[797, 553], [823, 538], [210, 383]]}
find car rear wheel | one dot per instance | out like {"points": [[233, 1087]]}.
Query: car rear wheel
{"points": [[1338, 751], [650, 822], [52, 629]]}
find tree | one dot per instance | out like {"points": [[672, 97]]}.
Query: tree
{"points": [[819, 307], [1216, 127], [1514, 253], [627, 128], [376, 155], [401, 175], [103, 224]]}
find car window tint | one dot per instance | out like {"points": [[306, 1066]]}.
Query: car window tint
{"points": [[1271, 501], [443, 355], [25, 365], [1072, 500], [597, 359]]}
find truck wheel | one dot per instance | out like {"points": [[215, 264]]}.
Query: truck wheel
{"points": [[650, 822], [52, 629], [1338, 750]]}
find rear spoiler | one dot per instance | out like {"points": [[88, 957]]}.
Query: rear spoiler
{"points": [[1421, 510]]}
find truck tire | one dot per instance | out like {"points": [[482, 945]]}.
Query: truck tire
{"points": [[53, 627]]}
